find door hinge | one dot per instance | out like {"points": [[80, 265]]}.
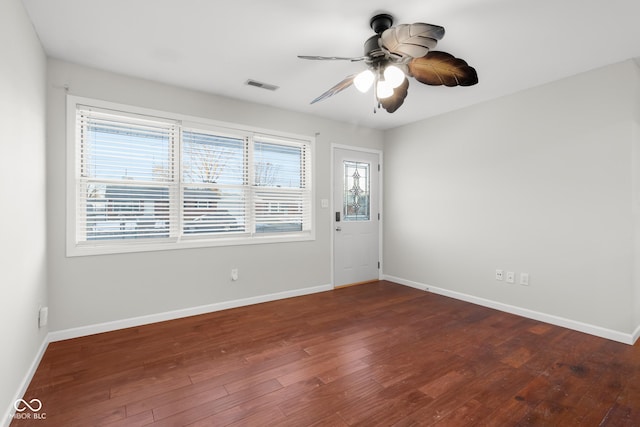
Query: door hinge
{"points": [[378, 265], [378, 216], [378, 167]]}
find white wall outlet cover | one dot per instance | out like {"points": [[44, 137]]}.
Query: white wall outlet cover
{"points": [[234, 274], [499, 274], [43, 316], [511, 277], [524, 279]]}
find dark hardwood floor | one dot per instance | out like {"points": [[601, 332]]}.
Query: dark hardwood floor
{"points": [[374, 354]]}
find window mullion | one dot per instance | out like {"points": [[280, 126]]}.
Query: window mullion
{"points": [[249, 179], [177, 193]]}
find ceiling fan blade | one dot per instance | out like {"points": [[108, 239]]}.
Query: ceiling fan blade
{"points": [[393, 102], [413, 40], [345, 83], [441, 68], [332, 58]]}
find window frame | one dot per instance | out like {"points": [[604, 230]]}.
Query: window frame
{"points": [[177, 238]]}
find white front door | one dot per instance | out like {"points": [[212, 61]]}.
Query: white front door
{"points": [[356, 216]]}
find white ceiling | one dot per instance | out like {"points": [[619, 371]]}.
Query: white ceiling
{"points": [[215, 46]]}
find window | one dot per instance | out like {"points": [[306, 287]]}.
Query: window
{"points": [[214, 183], [141, 182], [279, 186]]}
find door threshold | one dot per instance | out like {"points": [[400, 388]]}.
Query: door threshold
{"points": [[348, 285]]}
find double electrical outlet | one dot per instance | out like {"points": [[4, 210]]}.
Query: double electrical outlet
{"points": [[511, 277]]}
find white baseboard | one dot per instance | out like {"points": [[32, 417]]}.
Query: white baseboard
{"points": [[636, 334], [176, 314], [8, 416], [598, 331]]}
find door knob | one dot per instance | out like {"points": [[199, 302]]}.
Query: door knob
{"points": [[338, 228]]}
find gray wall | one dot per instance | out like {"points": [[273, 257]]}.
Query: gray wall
{"points": [[94, 289], [544, 181], [22, 191]]}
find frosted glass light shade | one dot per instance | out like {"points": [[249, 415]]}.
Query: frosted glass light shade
{"points": [[384, 89], [393, 76], [364, 80]]}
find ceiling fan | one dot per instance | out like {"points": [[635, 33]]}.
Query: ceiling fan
{"points": [[397, 52]]}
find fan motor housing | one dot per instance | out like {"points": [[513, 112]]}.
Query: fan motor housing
{"points": [[371, 46], [379, 23]]}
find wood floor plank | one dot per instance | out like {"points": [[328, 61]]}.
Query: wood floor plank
{"points": [[138, 420], [160, 383], [178, 405], [319, 366], [384, 408], [377, 354], [186, 413], [261, 403], [191, 391], [330, 398]]}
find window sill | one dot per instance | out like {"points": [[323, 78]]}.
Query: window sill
{"points": [[108, 248]]}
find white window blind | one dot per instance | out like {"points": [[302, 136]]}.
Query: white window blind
{"points": [[125, 176], [281, 186], [141, 182], [214, 183]]}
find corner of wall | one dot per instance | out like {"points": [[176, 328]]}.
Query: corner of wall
{"points": [[636, 208], [23, 243]]}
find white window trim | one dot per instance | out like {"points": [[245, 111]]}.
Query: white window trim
{"points": [[114, 247]]}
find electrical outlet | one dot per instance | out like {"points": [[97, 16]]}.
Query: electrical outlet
{"points": [[524, 279], [43, 316], [511, 277], [234, 274], [499, 274]]}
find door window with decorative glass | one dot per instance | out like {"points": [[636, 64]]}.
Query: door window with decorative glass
{"points": [[356, 194]]}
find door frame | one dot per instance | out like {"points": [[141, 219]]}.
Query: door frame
{"points": [[332, 206]]}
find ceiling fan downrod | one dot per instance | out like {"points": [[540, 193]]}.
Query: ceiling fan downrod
{"points": [[380, 23]]}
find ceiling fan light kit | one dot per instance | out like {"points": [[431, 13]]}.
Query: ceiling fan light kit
{"points": [[397, 52], [393, 75], [383, 89], [391, 78], [364, 80]]}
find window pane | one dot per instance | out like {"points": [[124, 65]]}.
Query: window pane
{"points": [[213, 159], [117, 211], [209, 210], [356, 191], [132, 151], [277, 165], [280, 199], [126, 169], [278, 212], [215, 177]]}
